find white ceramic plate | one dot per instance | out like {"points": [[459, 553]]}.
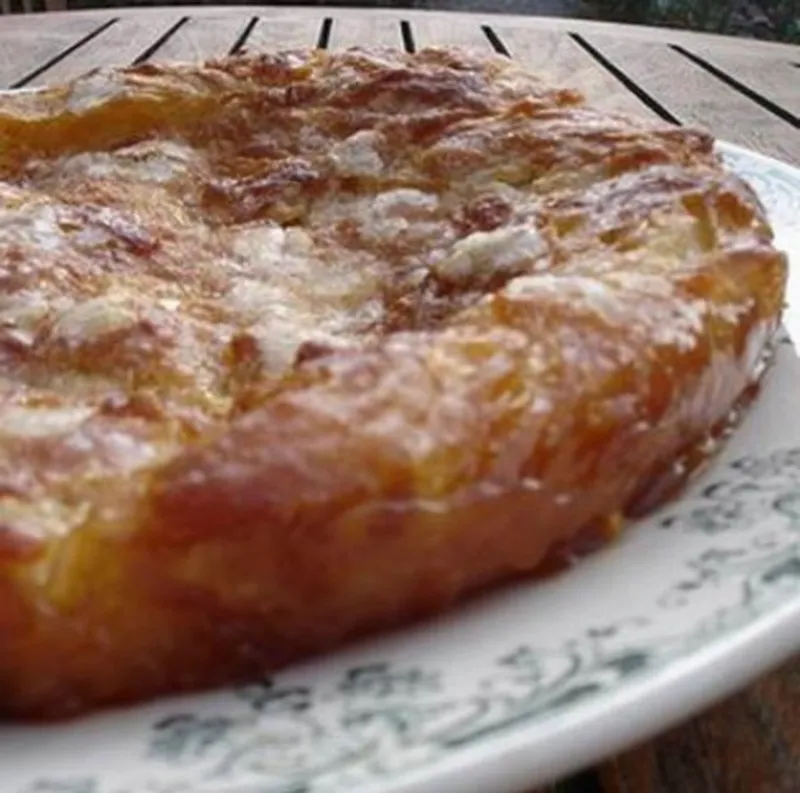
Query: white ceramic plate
{"points": [[517, 688]]}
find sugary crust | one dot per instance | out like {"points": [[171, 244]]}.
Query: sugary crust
{"points": [[296, 346]]}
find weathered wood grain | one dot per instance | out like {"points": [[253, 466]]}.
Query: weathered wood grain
{"points": [[463, 32], [748, 744], [119, 45], [284, 33], [773, 78], [26, 45], [556, 57], [201, 38], [698, 98], [366, 31]]}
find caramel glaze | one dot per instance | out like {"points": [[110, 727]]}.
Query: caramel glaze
{"points": [[296, 347], [665, 483]]}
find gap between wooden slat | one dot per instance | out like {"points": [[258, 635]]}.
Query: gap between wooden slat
{"points": [[241, 39], [148, 53], [585, 782], [324, 38], [64, 54], [407, 35], [497, 44], [745, 90], [630, 84]]}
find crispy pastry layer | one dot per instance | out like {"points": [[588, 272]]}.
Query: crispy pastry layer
{"points": [[296, 346]]}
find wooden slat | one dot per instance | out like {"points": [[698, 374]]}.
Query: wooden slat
{"points": [[364, 32], [26, 47], [429, 31], [697, 98], [117, 46], [201, 38], [556, 57], [276, 34], [775, 79], [748, 744]]}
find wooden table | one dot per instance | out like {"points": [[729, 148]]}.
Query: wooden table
{"points": [[744, 91]]}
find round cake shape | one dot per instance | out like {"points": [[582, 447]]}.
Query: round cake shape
{"points": [[302, 345]]}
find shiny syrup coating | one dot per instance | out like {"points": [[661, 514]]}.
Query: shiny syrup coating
{"points": [[297, 346]]}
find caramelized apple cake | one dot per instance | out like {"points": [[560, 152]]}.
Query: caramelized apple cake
{"points": [[295, 346]]}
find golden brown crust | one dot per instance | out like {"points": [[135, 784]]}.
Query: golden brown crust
{"points": [[295, 346]]}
